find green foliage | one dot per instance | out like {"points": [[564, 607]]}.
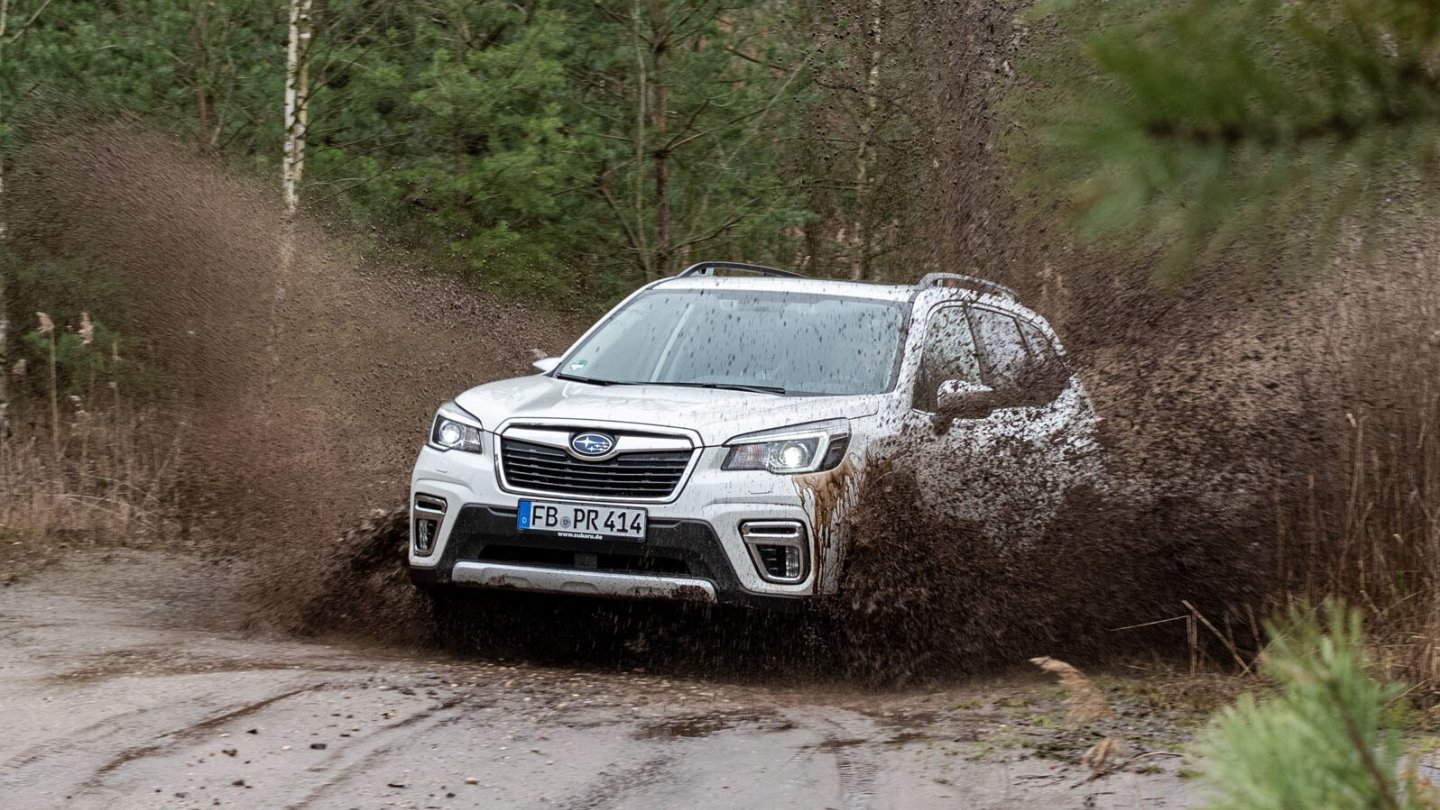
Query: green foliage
{"points": [[457, 140], [196, 68], [1204, 125], [563, 150], [67, 290], [726, 82], [80, 368], [842, 109], [63, 287], [523, 140], [1326, 740]]}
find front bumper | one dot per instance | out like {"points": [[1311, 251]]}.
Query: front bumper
{"points": [[693, 550], [680, 560]]}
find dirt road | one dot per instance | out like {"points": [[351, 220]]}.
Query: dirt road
{"points": [[126, 682]]}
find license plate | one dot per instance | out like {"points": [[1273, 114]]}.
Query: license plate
{"points": [[582, 521]]}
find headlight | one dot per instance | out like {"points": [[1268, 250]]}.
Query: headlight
{"points": [[800, 449], [454, 429]]}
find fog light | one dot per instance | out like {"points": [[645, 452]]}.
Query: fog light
{"points": [[425, 528], [425, 536], [781, 562], [779, 548]]}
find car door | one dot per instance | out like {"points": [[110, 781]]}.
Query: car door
{"points": [[995, 473], [1043, 414]]}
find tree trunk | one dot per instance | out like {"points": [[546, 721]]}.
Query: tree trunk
{"points": [[4, 301], [865, 151], [297, 103], [641, 78], [663, 239], [4, 238], [292, 166], [199, 65]]}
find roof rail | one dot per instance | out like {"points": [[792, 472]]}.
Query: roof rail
{"points": [[958, 280], [709, 268]]}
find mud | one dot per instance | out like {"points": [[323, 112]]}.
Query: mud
{"points": [[922, 598], [297, 394], [236, 719]]}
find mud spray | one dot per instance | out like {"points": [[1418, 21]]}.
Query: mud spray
{"points": [[300, 414], [299, 401]]}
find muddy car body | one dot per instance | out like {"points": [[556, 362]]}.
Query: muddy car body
{"points": [[708, 439]]}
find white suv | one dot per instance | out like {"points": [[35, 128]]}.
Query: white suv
{"points": [[708, 439]]}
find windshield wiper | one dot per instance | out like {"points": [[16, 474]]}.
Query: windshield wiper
{"points": [[754, 389], [591, 380]]}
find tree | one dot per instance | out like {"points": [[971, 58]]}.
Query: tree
{"points": [[7, 38], [1326, 739], [454, 129], [297, 104], [1203, 126], [559, 148], [694, 164], [865, 148], [858, 159]]}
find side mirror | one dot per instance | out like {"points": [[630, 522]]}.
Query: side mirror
{"points": [[959, 399], [545, 365]]}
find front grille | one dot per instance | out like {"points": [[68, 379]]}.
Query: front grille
{"points": [[629, 475]]}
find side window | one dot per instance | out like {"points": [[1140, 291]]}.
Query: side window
{"points": [[1003, 356], [1048, 375], [1039, 345], [949, 355]]}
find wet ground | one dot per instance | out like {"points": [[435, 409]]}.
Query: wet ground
{"points": [[125, 683]]}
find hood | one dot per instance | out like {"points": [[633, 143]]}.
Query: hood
{"points": [[717, 415]]}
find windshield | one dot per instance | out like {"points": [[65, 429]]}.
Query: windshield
{"points": [[784, 343]]}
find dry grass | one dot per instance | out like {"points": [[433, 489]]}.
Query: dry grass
{"points": [[1365, 525], [1372, 536], [100, 478], [1084, 699]]}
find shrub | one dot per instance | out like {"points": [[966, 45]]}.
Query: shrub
{"points": [[1327, 739]]}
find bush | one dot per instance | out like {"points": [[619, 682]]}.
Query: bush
{"points": [[1327, 739]]}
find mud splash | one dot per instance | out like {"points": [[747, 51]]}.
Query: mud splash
{"points": [[296, 398], [923, 598]]}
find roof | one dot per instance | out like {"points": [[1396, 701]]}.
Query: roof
{"points": [[815, 286], [844, 289]]}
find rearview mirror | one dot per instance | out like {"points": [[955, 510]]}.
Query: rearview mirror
{"points": [[545, 365], [961, 399]]}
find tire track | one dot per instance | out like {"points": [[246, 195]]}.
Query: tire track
{"points": [[416, 724], [189, 733], [856, 768]]}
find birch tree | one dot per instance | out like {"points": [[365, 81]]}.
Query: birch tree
{"points": [[297, 116], [292, 166]]}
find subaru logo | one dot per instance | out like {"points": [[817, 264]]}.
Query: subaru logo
{"points": [[592, 444]]}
